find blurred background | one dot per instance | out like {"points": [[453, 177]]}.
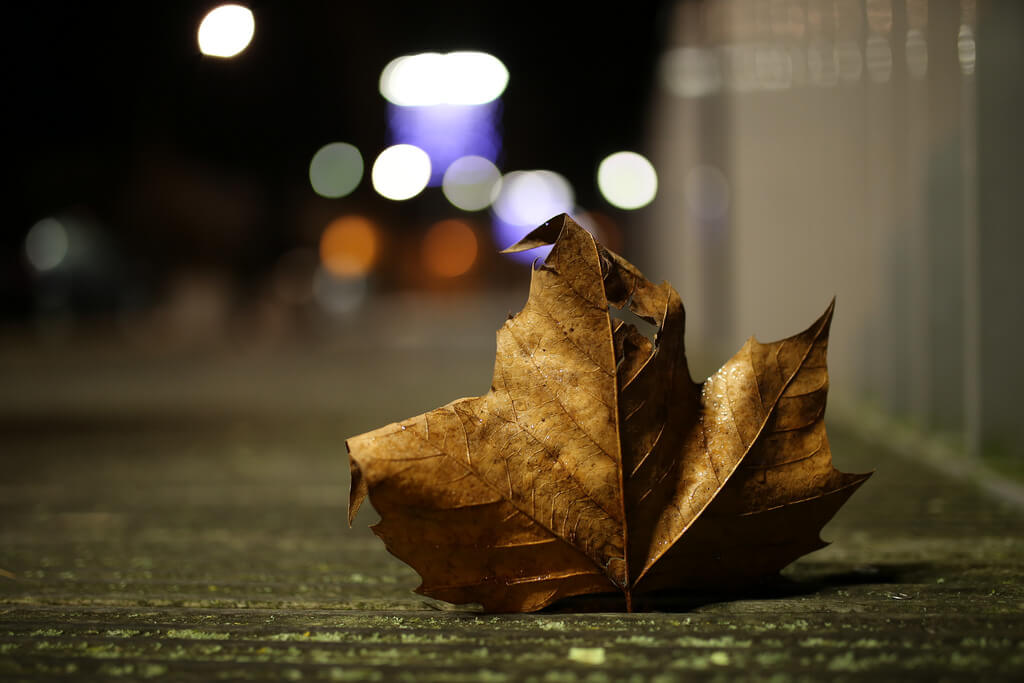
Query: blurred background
{"points": [[261, 208]]}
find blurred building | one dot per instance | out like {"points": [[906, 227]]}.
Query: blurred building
{"points": [[801, 149], [866, 149]]}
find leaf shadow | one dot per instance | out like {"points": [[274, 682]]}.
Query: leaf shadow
{"points": [[803, 583]]}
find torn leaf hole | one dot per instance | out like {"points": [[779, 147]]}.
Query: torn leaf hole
{"points": [[644, 327]]}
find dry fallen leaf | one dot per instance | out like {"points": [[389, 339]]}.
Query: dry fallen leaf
{"points": [[595, 463]]}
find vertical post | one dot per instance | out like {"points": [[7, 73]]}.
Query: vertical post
{"points": [[966, 51], [914, 209], [714, 229]]}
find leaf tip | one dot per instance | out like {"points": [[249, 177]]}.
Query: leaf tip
{"points": [[821, 326], [544, 234], [358, 488], [826, 317]]}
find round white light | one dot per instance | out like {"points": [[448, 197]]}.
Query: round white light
{"points": [[46, 244], [336, 170], [401, 172], [627, 180], [226, 30], [470, 183], [474, 77], [432, 78], [414, 80], [528, 198]]}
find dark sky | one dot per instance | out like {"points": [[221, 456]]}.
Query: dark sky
{"points": [[101, 94]]}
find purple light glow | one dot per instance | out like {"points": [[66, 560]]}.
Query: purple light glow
{"points": [[447, 131], [526, 200], [506, 234]]}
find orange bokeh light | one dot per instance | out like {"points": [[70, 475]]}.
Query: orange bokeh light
{"points": [[449, 248], [349, 246]]}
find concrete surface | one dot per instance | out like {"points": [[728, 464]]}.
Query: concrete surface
{"points": [[181, 515]]}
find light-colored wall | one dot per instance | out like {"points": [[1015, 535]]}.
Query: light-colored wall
{"points": [[845, 136]]}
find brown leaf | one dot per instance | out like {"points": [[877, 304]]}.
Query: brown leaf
{"points": [[595, 463]]}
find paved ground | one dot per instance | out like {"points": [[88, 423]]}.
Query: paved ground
{"points": [[182, 515]]}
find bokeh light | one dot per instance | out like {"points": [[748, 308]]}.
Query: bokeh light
{"points": [[401, 172], [338, 296], [528, 198], [691, 71], [336, 170], [226, 30], [627, 180], [706, 193], [471, 183], [772, 69], [917, 53], [432, 78], [449, 248], [447, 132], [849, 61], [878, 58], [821, 64], [46, 244], [349, 246], [966, 49]]}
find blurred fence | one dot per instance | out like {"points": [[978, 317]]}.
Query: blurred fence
{"points": [[862, 149]]}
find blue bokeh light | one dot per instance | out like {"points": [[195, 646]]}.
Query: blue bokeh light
{"points": [[447, 132]]}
